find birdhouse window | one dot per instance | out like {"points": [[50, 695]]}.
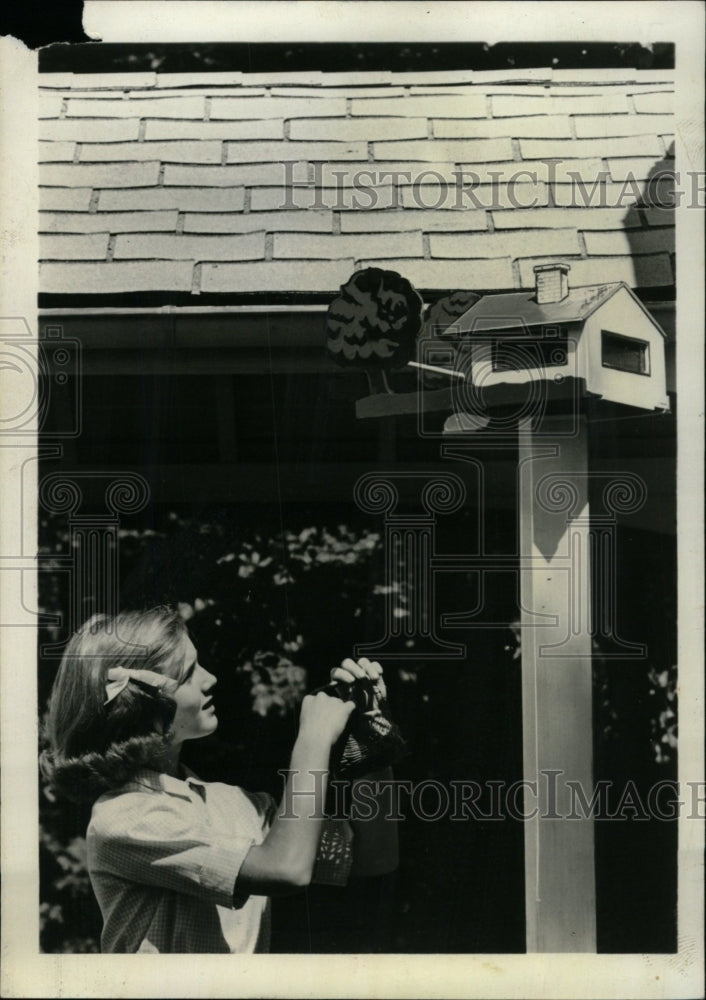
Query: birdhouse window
{"points": [[626, 354], [523, 354]]}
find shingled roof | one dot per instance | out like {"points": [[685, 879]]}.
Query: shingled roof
{"points": [[234, 184], [501, 312]]}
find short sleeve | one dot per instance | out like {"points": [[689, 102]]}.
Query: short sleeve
{"points": [[166, 842], [266, 806]]}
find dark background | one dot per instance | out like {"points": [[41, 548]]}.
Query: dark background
{"points": [[343, 56]]}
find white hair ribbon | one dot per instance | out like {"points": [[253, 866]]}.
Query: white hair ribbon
{"points": [[120, 677]]}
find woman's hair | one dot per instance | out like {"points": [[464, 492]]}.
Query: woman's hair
{"points": [[94, 746]]}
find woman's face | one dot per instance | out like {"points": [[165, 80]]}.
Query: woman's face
{"points": [[195, 715]]}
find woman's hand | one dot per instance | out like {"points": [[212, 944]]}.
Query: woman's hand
{"points": [[323, 718], [351, 670]]}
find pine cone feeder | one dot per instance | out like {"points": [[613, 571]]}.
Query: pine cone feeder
{"points": [[374, 324]]}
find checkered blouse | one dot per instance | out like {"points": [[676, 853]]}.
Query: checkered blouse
{"points": [[164, 856]]}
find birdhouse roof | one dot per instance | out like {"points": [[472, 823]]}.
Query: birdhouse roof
{"points": [[188, 185], [505, 312]]}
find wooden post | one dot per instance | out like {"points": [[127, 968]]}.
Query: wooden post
{"points": [[560, 896]]}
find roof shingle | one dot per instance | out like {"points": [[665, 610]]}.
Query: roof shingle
{"points": [[184, 199], [189, 183]]}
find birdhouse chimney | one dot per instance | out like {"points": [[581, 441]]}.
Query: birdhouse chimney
{"points": [[551, 282]]}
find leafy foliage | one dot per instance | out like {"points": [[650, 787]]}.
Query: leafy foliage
{"points": [[663, 715], [69, 919]]}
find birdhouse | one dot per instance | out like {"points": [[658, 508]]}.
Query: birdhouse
{"points": [[600, 335]]}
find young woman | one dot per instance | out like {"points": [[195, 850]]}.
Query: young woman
{"points": [[178, 864]]}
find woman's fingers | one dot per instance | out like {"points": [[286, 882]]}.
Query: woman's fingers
{"points": [[348, 671], [374, 671], [352, 667], [371, 667], [339, 674], [351, 670]]}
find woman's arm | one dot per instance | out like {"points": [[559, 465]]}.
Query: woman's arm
{"points": [[285, 859]]}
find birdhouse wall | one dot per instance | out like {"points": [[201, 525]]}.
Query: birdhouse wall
{"points": [[627, 328], [526, 358]]}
